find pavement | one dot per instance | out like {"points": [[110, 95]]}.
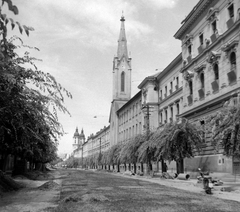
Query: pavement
{"points": [[229, 190]]}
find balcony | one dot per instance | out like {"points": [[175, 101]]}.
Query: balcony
{"points": [[200, 49], [189, 58], [213, 37], [215, 86], [232, 76], [177, 87], [201, 93], [190, 99], [230, 23]]}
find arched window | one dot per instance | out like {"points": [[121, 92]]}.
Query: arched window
{"points": [[216, 72], [202, 80], [122, 81], [233, 61], [190, 87]]}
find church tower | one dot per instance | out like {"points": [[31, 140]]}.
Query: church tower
{"points": [[78, 139], [122, 68], [121, 82]]}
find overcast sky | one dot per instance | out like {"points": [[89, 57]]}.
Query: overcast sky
{"points": [[78, 40]]}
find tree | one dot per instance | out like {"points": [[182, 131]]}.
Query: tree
{"points": [[225, 128], [175, 141], [114, 154], [180, 140], [29, 101]]}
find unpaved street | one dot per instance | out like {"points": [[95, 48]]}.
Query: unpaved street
{"points": [[97, 191]]}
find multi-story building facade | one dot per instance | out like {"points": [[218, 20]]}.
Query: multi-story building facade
{"points": [[130, 118], [195, 84], [97, 143], [211, 60], [162, 98]]}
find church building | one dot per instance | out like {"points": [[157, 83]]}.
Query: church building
{"points": [[78, 141], [121, 82]]}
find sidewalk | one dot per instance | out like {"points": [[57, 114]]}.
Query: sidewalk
{"points": [[229, 190]]}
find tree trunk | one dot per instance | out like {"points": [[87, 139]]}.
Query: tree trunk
{"points": [[149, 164], [135, 168], [3, 163]]}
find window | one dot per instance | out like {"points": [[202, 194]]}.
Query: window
{"points": [[122, 81], [166, 116], [165, 91], [216, 72], [161, 118], [177, 83], [190, 50], [233, 61], [161, 94], [202, 80], [178, 111], [171, 118], [201, 39], [231, 11], [214, 26], [190, 87], [171, 87]]}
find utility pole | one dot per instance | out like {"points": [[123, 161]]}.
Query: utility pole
{"points": [[100, 144], [82, 156], [147, 121]]}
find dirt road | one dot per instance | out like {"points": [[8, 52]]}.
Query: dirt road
{"points": [[80, 190], [96, 191]]}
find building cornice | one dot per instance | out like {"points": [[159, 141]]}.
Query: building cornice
{"points": [[173, 94], [210, 105], [177, 60], [192, 17], [138, 95], [146, 80]]}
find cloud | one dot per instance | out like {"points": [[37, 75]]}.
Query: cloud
{"points": [[90, 23], [161, 4]]}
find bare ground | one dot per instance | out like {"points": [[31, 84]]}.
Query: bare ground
{"points": [[74, 190]]}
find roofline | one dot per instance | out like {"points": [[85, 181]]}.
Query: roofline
{"points": [[170, 66], [130, 101], [149, 78], [191, 17]]}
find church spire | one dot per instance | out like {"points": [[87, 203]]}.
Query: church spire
{"points": [[122, 41]]}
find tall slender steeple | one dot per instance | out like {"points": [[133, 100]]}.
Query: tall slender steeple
{"points": [[122, 68], [122, 72], [122, 41]]}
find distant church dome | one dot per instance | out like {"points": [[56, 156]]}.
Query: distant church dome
{"points": [[76, 134]]}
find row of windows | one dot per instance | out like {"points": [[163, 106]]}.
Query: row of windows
{"points": [[130, 132], [168, 118], [215, 84], [214, 30], [133, 111], [170, 89]]}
